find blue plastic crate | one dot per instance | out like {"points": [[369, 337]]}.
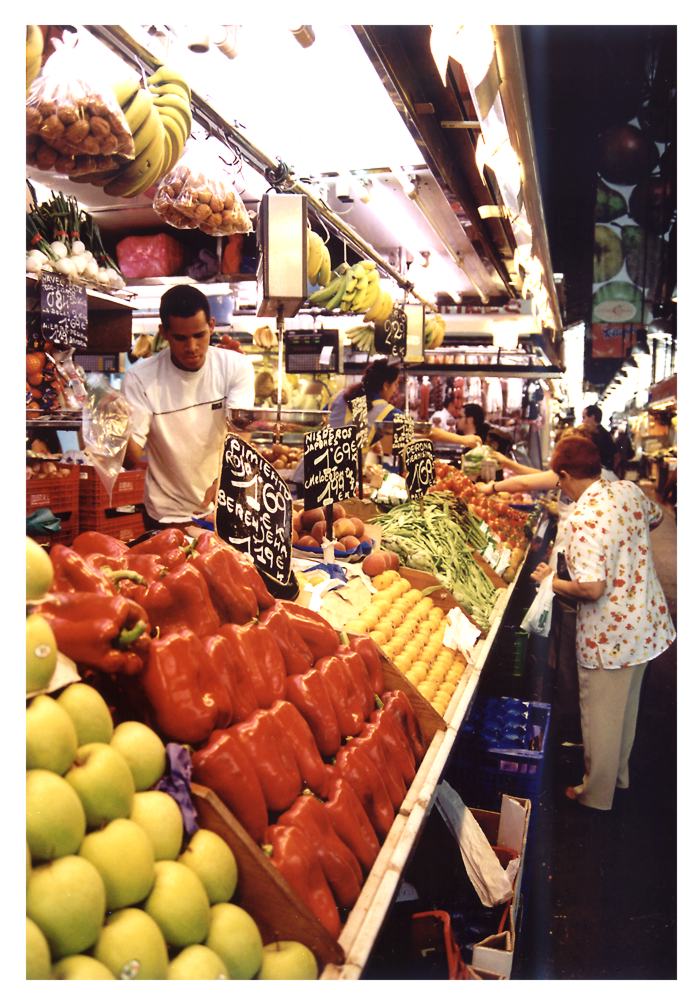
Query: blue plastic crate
{"points": [[486, 768]]}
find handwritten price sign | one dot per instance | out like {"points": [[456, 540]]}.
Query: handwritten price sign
{"points": [[360, 415], [63, 311], [419, 464], [391, 336], [330, 457], [402, 432], [253, 508]]}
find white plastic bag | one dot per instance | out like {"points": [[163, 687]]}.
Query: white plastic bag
{"points": [[537, 620], [106, 425]]}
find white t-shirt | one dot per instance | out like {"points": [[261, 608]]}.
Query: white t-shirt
{"points": [[180, 419], [443, 419]]}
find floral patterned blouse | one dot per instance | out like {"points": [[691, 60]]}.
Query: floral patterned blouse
{"points": [[608, 539]]}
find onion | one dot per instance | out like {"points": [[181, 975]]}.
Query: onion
{"points": [[80, 261], [102, 276], [91, 269], [78, 248], [65, 266], [33, 264], [59, 248]]}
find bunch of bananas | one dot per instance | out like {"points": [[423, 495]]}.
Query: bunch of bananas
{"points": [[34, 52], [160, 119], [434, 331], [318, 266], [351, 289], [264, 336], [362, 337]]}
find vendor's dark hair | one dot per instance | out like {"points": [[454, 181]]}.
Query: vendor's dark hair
{"points": [[375, 375], [593, 411], [578, 455], [477, 414], [183, 300]]}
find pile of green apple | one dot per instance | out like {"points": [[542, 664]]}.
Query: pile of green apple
{"points": [[111, 893], [41, 643]]}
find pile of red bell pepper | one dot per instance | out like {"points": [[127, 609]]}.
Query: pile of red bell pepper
{"points": [[285, 722]]}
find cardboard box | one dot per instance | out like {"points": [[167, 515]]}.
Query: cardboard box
{"points": [[508, 828]]}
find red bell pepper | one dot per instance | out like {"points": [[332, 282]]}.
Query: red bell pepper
{"points": [[174, 685], [360, 678], [396, 704], [308, 693], [107, 632], [269, 657], [181, 599], [233, 597], [223, 766], [396, 742], [339, 865], [350, 821], [232, 674], [91, 542], [371, 742], [72, 573], [346, 699], [253, 578], [292, 854], [273, 758], [259, 657], [294, 728], [369, 652], [171, 544], [319, 635], [148, 565], [355, 766], [297, 656]]}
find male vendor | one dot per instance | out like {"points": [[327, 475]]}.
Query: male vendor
{"points": [[179, 398]]}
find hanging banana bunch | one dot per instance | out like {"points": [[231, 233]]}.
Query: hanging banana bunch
{"points": [[319, 266], [434, 331]]}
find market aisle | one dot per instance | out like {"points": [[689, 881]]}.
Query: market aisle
{"points": [[600, 897]]}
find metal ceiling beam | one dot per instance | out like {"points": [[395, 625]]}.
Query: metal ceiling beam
{"points": [[117, 39]]}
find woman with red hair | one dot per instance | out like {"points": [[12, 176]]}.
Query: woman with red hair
{"points": [[622, 621]]}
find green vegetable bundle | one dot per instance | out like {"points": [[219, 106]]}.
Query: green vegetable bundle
{"points": [[427, 536]]}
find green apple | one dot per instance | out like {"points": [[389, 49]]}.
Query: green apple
{"points": [[103, 780], [42, 653], [51, 738], [287, 960], [38, 953], [80, 967], [55, 816], [39, 571], [211, 858], [123, 855], [235, 938], [66, 899], [178, 903], [132, 946], [144, 751], [196, 961], [161, 818], [89, 712]]}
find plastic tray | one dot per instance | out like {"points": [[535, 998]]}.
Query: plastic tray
{"points": [[60, 493]]}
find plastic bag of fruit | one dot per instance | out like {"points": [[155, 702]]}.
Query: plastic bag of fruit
{"points": [[74, 122], [200, 193]]}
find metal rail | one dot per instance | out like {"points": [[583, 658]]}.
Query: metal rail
{"points": [[131, 51]]}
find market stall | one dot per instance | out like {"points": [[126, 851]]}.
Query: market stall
{"points": [[144, 196]]}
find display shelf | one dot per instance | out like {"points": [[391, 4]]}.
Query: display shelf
{"points": [[58, 420], [365, 921], [101, 300], [355, 367]]}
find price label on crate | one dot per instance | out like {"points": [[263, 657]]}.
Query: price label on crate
{"points": [[360, 415], [403, 426], [63, 311], [391, 336], [419, 465], [253, 508], [330, 465]]}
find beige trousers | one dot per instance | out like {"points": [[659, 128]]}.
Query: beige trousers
{"points": [[608, 712]]}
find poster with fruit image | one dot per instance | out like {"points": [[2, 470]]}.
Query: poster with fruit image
{"points": [[634, 211]]}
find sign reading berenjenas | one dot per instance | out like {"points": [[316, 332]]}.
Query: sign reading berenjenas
{"points": [[63, 311], [419, 464], [330, 456], [253, 508]]}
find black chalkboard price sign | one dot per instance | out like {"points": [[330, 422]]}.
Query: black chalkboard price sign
{"points": [[63, 311], [330, 457], [391, 336], [360, 415], [402, 432], [253, 509], [419, 465]]}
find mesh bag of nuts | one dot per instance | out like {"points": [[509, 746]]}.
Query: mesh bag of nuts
{"points": [[74, 122], [199, 193]]}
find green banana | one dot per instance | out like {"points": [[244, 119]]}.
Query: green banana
{"points": [[126, 90], [176, 87], [176, 140], [141, 173], [178, 104], [176, 118], [323, 295], [336, 299], [137, 110], [325, 267], [144, 135]]}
